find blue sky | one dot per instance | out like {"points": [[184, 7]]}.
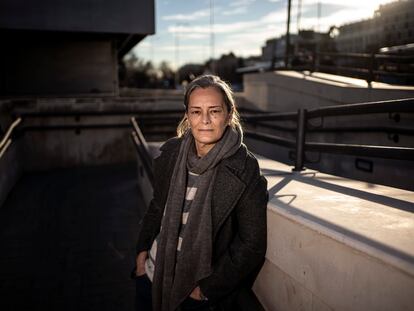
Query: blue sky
{"points": [[241, 26]]}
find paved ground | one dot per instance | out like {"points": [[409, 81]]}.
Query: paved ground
{"points": [[67, 240]]}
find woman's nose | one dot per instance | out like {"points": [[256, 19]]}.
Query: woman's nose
{"points": [[206, 118]]}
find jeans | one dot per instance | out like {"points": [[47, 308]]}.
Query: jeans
{"points": [[143, 293]]}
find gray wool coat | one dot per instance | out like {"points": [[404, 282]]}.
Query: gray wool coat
{"points": [[238, 224]]}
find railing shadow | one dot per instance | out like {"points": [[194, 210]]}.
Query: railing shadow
{"points": [[311, 178]]}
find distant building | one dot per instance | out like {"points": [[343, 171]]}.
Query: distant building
{"points": [[362, 36], [276, 47], [392, 24], [304, 43], [397, 22]]}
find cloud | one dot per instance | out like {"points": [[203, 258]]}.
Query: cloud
{"points": [[183, 48], [337, 13], [355, 4], [274, 18], [237, 11], [248, 42], [187, 17], [242, 3], [194, 36]]}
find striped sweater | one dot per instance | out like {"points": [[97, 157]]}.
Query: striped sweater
{"points": [[192, 180]]}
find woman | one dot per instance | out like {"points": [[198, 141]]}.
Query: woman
{"points": [[203, 238]]}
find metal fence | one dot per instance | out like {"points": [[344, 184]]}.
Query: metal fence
{"points": [[393, 69], [300, 144], [302, 117]]}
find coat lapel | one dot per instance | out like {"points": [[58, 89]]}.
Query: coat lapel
{"points": [[228, 189]]}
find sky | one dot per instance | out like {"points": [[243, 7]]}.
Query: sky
{"points": [[183, 33]]}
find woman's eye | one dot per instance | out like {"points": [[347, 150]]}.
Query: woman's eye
{"points": [[195, 112], [215, 111]]}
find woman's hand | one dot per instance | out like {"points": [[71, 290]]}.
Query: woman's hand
{"points": [[140, 261], [196, 294]]}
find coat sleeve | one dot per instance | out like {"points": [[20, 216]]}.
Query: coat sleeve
{"points": [[151, 222], [246, 252], [149, 227]]}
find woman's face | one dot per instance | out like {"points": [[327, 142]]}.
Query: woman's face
{"points": [[208, 118]]}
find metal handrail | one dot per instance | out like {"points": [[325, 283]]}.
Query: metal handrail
{"points": [[6, 140], [369, 71], [386, 106], [338, 129], [384, 152], [303, 116], [365, 55], [270, 116], [141, 139], [47, 114], [142, 149]]}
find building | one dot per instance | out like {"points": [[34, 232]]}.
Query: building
{"points": [[396, 21], [276, 47], [302, 45], [362, 36], [392, 24], [68, 48]]}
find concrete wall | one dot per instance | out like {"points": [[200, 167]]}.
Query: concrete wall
{"points": [[306, 270], [336, 244], [107, 16], [289, 90], [45, 150], [68, 48], [53, 66], [52, 149], [62, 148]]}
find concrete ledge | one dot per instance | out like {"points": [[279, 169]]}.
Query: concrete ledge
{"points": [[291, 90], [336, 243]]}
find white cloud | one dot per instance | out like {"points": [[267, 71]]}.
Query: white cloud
{"points": [[241, 3], [237, 11], [187, 17], [194, 36], [355, 4], [182, 47], [249, 42], [344, 15], [273, 18]]}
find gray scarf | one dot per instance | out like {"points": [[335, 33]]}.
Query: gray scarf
{"points": [[177, 274]]}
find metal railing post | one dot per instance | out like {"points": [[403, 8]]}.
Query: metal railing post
{"points": [[300, 140], [371, 64], [314, 55]]}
